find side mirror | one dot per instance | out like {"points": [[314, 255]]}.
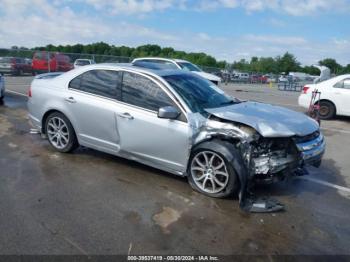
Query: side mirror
{"points": [[168, 112]]}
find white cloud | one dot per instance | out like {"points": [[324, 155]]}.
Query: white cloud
{"points": [[40, 22], [276, 40], [291, 7], [134, 6]]}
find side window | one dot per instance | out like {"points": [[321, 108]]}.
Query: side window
{"points": [[99, 82], [75, 83], [346, 83], [140, 91], [343, 84]]}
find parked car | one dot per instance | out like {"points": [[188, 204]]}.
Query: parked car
{"points": [[270, 78], [2, 87], [83, 62], [176, 121], [258, 79], [165, 63], [241, 77], [14, 66], [283, 79], [334, 99], [44, 62]]}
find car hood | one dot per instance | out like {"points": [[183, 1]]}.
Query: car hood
{"points": [[268, 120], [208, 76]]}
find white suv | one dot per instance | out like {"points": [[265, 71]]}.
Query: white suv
{"points": [[166, 63], [83, 62]]}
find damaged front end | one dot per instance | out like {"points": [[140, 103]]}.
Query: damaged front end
{"points": [[266, 159], [273, 158]]}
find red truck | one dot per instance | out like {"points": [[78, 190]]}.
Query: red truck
{"points": [[44, 62]]}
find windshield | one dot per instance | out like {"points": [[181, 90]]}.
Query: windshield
{"points": [[189, 67], [82, 62], [198, 93]]}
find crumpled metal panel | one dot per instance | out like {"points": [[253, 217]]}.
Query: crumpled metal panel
{"points": [[268, 120], [204, 128]]}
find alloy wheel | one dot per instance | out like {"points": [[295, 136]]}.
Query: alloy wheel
{"points": [[209, 172], [57, 132]]}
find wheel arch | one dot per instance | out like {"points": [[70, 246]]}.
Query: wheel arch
{"points": [[49, 112]]}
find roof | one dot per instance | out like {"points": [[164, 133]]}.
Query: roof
{"points": [[162, 72], [162, 58]]}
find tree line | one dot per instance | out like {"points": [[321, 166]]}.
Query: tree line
{"points": [[279, 64], [287, 63]]}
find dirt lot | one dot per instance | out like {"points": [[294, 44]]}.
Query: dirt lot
{"points": [[94, 203]]}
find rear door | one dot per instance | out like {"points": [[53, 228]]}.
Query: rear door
{"points": [[91, 101], [155, 141]]}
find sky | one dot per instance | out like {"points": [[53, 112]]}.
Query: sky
{"points": [[226, 29]]}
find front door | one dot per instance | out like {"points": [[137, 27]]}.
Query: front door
{"points": [[146, 137]]}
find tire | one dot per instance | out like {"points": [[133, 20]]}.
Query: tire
{"points": [[327, 110], [222, 151], [60, 133]]}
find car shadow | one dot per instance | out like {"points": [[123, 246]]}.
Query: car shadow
{"points": [[291, 186]]}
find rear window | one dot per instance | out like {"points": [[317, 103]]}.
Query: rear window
{"points": [[82, 62]]}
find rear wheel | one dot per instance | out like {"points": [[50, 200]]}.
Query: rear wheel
{"points": [[60, 133], [211, 173], [327, 110]]}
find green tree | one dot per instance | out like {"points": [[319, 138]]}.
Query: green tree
{"points": [[287, 63], [331, 64], [345, 69]]}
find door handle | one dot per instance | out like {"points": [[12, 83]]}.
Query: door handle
{"points": [[126, 115], [70, 99]]}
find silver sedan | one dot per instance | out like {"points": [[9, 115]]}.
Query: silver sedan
{"points": [[175, 121]]}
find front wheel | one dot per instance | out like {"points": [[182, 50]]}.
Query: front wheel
{"points": [[211, 173], [60, 133]]}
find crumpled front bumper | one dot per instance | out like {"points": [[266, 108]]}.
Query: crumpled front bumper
{"points": [[308, 152]]}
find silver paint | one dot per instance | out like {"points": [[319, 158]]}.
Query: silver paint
{"points": [[268, 120], [135, 133]]}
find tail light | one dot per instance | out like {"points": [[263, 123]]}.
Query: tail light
{"points": [[30, 92], [305, 88]]}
